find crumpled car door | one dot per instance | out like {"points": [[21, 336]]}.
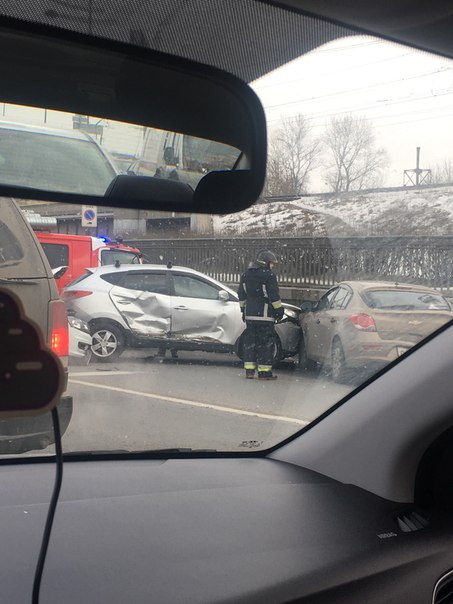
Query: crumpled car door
{"points": [[143, 301], [198, 315]]}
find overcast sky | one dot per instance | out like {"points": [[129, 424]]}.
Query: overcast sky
{"points": [[406, 94]]}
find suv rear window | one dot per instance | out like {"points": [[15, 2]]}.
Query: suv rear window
{"points": [[20, 256], [79, 279], [10, 248], [113, 278], [404, 300]]}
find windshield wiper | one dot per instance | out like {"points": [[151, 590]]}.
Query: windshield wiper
{"points": [[171, 451], [100, 452], [176, 450]]}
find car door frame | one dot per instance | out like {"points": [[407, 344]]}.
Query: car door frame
{"points": [[312, 327], [201, 344], [332, 321]]}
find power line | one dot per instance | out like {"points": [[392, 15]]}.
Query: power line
{"points": [[363, 108], [352, 90], [416, 120], [257, 87], [406, 113]]}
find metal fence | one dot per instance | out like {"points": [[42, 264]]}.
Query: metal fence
{"points": [[315, 261]]}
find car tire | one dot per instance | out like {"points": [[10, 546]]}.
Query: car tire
{"points": [[304, 362], [239, 348], [277, 352], [109, 342], [337, 362]]}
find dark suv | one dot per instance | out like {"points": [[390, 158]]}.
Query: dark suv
{"points": [[25, 271]]}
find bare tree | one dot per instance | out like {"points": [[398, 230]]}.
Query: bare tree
{"points": [[442, 172], [356, 162], [292, 156]]}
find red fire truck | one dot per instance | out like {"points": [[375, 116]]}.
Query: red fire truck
{"points": [[78, 252]]}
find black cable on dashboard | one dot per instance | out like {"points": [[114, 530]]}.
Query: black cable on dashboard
{"points": [[52, 507]]}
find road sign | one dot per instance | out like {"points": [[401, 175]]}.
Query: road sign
{"points": [[89, 216]]}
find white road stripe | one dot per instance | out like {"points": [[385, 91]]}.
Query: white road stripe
{"points": [[182, 401], [100, 373]]}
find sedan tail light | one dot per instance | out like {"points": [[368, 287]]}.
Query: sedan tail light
{"points": [[73, 294], [363, 322], [59, 330]]}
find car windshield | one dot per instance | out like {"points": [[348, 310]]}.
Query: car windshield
{"points": [[110, 256], [183, 338], [404, 300], [44, 160]]}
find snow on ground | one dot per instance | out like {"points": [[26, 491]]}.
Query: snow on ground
{"points": [[425, 211]]}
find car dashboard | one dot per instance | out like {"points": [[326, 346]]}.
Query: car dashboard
{"points": [[214, 530]]}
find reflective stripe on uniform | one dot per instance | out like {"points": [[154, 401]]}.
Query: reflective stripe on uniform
{"points": [[250, 366], [242, 304], [277, 304], [264, 367], [253, 318]]}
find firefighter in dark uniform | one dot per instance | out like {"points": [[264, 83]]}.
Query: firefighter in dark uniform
{"points": [[261, 306]]}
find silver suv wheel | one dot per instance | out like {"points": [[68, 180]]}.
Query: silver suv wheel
{"points": [[107, 343]]}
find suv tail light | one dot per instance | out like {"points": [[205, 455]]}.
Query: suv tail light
{"points": [[363, 322], [73, 294], [59, 330]]}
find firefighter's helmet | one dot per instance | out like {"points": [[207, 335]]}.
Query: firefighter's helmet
{"points": [[265, 258]]}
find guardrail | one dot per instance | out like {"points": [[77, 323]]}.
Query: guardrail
{"points": [[308, 261]]}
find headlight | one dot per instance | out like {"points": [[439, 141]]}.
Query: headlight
{"points": [[78, 324], [291, 314]]}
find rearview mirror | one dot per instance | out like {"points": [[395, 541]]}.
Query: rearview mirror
{"points": [[224, 296], [59, 271], [197, 134]]}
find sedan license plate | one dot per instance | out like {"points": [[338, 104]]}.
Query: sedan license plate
{"points": [[401, 350]]}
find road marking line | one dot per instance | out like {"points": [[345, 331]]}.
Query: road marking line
{"points": [[182, 401], [100, 373]]}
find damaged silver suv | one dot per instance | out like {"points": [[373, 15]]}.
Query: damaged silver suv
{"points": [[165, 307]]}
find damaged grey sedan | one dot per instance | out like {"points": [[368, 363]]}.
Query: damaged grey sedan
{"points": [[165, 307]]}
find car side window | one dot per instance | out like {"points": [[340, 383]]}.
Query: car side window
{"points": [[147, 281], [57, 254], [326, 300], [342, 298], [191, 287]]}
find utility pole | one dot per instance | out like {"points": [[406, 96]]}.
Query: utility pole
{"points": [[417, 176]]}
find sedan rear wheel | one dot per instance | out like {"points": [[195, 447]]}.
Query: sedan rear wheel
{"points": [[304, 362], [108, 342], [338, 362]]}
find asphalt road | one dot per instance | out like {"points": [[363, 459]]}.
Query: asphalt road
{"points": [[200, 401]]}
